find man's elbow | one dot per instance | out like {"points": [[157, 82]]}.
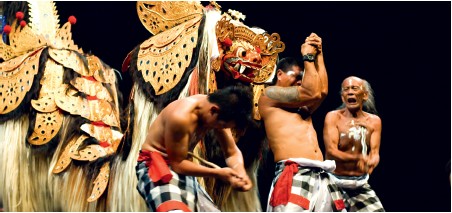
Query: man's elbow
{"points": [[324, 93], [329, 154], [176, 167], [316, 96]]}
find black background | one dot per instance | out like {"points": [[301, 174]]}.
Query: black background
{"points": [[402, 48]]}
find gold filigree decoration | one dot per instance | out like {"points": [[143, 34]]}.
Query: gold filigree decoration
{"points": [[102, 133], [21, 62], [45, 104], [22, 41], [46, 127], [44, 21], [51, 85], [43, 30], [268, 67], [109, 140], [48, 119], [163, 58], [100, 183], [212, 82], [270, 45], [70, 60], [258, 89], [92, 88], [15, 83], [65, 160], [89, 153], [160, 16], [93, 110], [101, 73]]}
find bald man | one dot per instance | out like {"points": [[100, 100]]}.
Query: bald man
{"points": [[352, 140]]}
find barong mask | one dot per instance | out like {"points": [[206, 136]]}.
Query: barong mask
{"points": [[247, 54]]}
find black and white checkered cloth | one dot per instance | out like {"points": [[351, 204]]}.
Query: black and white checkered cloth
{"points": [[304, 190], [361, 198], [181, 188]]}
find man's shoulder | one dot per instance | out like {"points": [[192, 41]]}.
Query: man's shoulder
{"points": [[179, 118], [334, 113], [375, 119]]}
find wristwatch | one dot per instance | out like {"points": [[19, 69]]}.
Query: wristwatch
{"points": [[309, 57]]}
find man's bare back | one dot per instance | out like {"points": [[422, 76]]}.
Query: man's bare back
{"points": [[155, 138]]}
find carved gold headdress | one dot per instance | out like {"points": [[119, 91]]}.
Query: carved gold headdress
{"points": [[269, 45]]}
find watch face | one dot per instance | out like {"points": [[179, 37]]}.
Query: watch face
{"points": [[308, 57]]}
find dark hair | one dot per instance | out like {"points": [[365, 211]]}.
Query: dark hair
{"points": [[235, 103], [285, 65]]}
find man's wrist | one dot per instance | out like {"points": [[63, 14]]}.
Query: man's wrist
{"points": [[309, 57]]}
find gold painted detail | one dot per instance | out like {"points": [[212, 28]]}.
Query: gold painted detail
{"points": [[51, 86], [163, 58], [65, 160], [20, 63], [46, 127], [42, 30], [160, 16], [257, 92], [103, 134], [100, 183], [92, 88], [212, 82], [89, 153], [93, 110], [15, 83], [101, 73], [71, 60], [22, 41]]}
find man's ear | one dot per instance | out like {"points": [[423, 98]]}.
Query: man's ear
{"points": [[214, 109], [279, 72], [365, 96]]}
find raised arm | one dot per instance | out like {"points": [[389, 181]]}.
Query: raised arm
{"points": [[374, 155], [308, 93], [331, 140], [316, 41]]}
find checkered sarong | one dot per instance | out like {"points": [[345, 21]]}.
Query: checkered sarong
{"points": [[304, 191], [361, 198], [182, 192]]}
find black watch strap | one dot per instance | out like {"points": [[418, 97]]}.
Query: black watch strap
{"points": [[309, 57]]}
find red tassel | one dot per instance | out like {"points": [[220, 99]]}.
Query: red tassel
{"points": [[7, 29], [72, 20], [23, 23], [19, 15]]}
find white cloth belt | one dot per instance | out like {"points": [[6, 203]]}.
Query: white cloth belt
{"points": [[327, 165], [349, 184]]}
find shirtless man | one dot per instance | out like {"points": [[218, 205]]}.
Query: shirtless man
{"points": [[300, 183], [352, 139], [166, 176]]}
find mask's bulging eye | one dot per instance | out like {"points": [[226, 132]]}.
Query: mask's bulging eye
{"points": [[241, 52]]}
